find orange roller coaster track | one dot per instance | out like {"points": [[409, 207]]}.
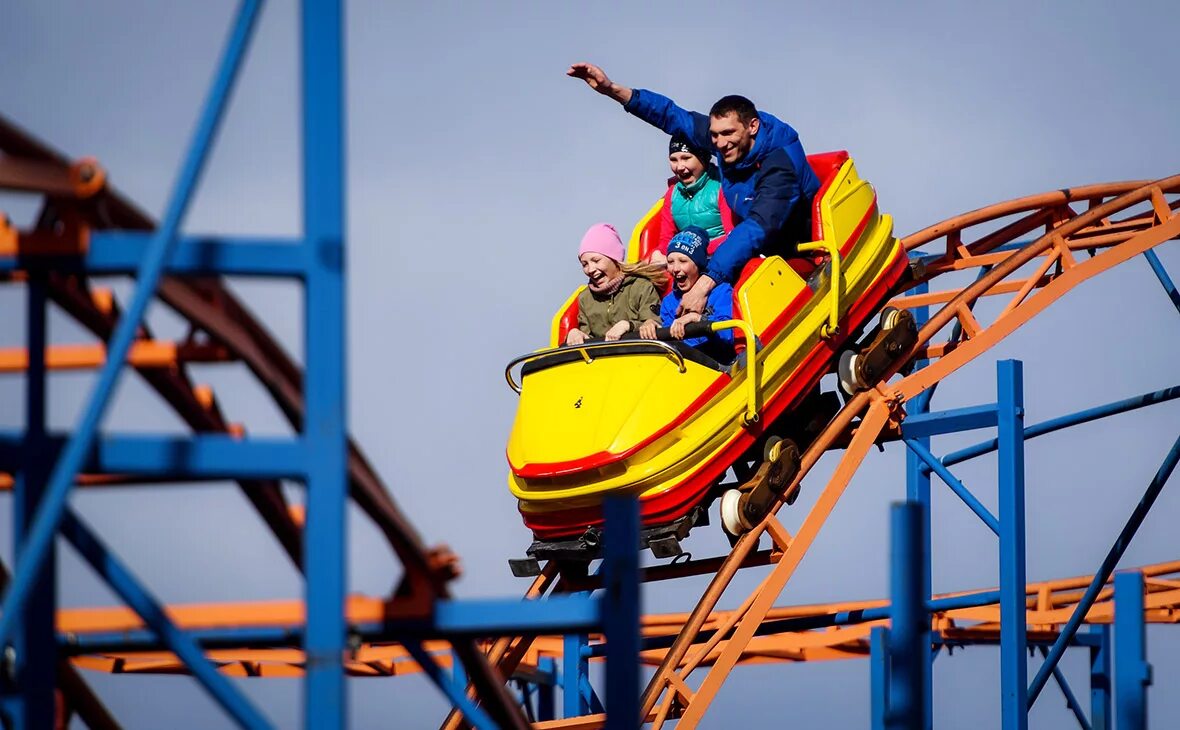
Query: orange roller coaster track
{"points": [[1082, 232]]}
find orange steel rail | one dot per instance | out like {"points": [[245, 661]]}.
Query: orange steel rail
{"points": [[145, 354], [1049, 606], [1148, 218], [1109, 241]]}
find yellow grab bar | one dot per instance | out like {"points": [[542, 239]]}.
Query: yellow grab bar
{"points": [[754, 399], [831, 328], [586, 348]]}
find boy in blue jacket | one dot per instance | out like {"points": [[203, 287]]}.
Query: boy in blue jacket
{"points": [[765, 176], [688, 256]]}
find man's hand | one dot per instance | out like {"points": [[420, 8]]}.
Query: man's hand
{"points": [[647, 330], [575, 337], [620, 329], [677, 329], [597, 80], [695, 299]]}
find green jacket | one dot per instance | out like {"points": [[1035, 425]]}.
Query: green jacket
{"points": [[636, 301]]}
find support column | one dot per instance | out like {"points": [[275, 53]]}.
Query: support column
{"points": [[1013, 627], [918, 492], [1100, 679], [35, 642], [909, 643], [1132, 673], [621, 611], [326, 416], [574, 671], [879, 675]]}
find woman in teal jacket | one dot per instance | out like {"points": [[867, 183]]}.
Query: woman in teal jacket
{"points": [[693, 199]]}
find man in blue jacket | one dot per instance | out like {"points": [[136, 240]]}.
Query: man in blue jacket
{"points": [[765, 176]]}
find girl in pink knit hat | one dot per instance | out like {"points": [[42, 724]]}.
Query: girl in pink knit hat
{"points": [[619, 297]]}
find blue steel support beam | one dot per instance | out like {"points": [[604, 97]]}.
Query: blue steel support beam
{"points": [[1132, 673], [120, 252], [322, 58], [1162, 274], [909, 633], [956, 486], [197, 457], [121, 580], [1071, 700], [575, 667], [35, 641], [1013, 626], [927, 424], [546, 700], [620, 611], [454, 691], [1072, 419], [1100, 678], [1105, 569], [918, 491], [879, 676], [53, 504]]}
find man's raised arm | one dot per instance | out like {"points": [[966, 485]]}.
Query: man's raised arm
{"points": [[599, 81], [655, 109]]}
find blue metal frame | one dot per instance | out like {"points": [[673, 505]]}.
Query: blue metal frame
{"points": [[35, 668], [1161, 273], [326, 419], [1132, 673], [317, 456], [1121, 543], [908, 641], [1013, 626], [35, 547], [1100, 676]]}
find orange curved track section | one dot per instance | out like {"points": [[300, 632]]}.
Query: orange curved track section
{"points": [[1032, 251]]}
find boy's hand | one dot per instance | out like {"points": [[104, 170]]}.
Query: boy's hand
{"points": [[677, 329], [647, 330]]}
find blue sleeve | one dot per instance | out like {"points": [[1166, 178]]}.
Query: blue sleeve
{"points": [[776, 194], [661, 112], [721, 306], [668, 307]]}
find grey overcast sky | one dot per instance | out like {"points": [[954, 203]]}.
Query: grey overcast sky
{"points": [[475, 165]]}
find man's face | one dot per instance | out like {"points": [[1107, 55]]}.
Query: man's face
{"points": [[731, 137]]}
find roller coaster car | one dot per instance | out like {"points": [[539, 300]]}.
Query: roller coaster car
{"points": [[662, 421]]}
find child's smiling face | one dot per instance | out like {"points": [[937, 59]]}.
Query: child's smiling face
{"points": [[686, 167], [683, 271], [598, 268]]}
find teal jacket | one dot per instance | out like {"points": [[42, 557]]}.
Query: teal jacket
{"points": [[699, 204]]}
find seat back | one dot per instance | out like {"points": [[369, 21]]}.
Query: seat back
{"points": [[825, 165]]}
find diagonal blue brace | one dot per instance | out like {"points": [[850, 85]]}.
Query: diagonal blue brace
{"points": [[1162, 274], [1069, 420], [53, 504], [956, 486], [151, 611], [1071, 700], [1103, 573], [455, 691]]}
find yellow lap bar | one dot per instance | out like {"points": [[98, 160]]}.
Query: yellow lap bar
{"points": [[754, 397], [832, 327]]}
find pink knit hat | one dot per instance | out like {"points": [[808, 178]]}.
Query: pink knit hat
{"points": [[604, 239]]}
